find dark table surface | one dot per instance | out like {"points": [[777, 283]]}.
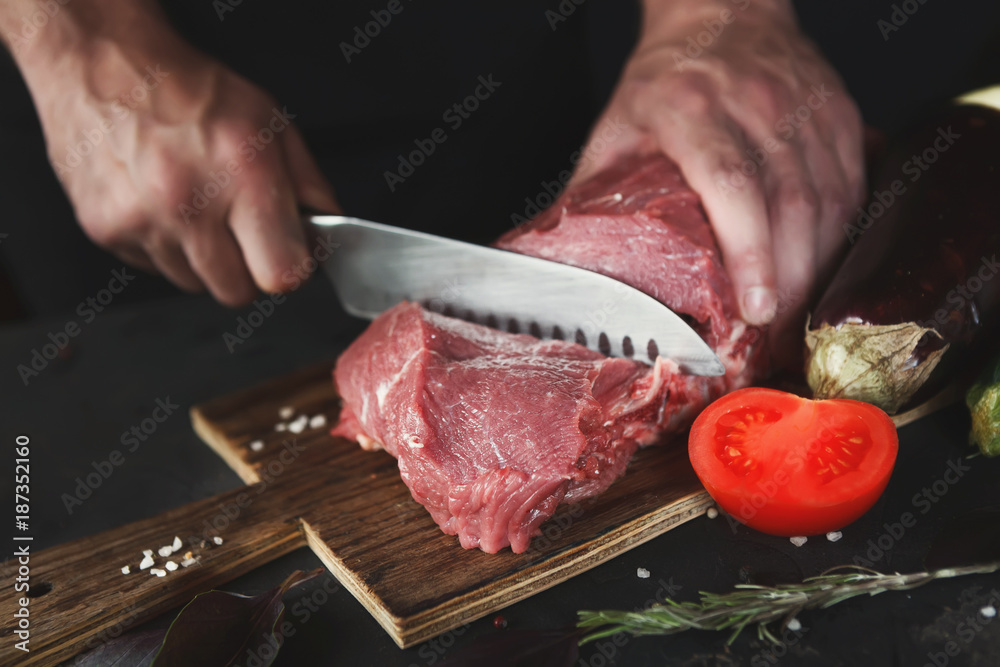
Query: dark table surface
{"points": [[126, 358]]}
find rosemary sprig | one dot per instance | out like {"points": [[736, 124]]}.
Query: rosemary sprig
{"points": [[761, 604]]}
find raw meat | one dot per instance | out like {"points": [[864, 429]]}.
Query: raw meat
{"points": [[493, 430], [640, 222]]}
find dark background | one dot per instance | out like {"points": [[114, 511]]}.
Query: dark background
{"points": [[142, 350], [358, 117]]}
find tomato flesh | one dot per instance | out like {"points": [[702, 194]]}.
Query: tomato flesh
{"points": [[791, 466]]}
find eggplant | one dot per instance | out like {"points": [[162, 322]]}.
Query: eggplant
{"points": [[919, 285]]}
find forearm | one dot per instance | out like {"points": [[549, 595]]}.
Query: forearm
{"points": [[666, 19], [103, 44]]}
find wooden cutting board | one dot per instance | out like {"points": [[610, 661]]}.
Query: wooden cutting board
{"points": [[350, 507], [383, 547]]}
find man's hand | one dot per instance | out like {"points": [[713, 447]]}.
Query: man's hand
{"points": [[761, 128], [171, 160]]}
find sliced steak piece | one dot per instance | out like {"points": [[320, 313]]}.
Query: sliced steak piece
{"points": [[493, 430]]}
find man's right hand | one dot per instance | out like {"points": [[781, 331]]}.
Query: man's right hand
{"points": [[172, 161]]}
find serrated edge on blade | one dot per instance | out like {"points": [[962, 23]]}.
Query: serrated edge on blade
{"points": [[688, 361]]}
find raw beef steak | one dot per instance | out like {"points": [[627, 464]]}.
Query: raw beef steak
{"points": [[640, 222], [493, 430]]}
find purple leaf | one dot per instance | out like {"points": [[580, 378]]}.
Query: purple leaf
{"points": [[221, 629]]}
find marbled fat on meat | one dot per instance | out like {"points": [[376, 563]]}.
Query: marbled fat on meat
{"points": [[493, 430]]}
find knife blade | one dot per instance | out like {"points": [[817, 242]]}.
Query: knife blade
{"points": [[377, 266]]}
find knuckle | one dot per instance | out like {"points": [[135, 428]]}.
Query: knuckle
{"points": [[199, 253], [835, 204], [167, 179], [120, 230], [269, 278], [156, 243], [733, 170], [764, 94], [691, 93], [232, 137], [799, 204], [755, 263]]}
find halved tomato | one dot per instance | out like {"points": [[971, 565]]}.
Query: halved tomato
{"points": [[790, 466]]}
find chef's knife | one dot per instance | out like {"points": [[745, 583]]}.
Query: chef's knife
{"points": [[376, 266]]}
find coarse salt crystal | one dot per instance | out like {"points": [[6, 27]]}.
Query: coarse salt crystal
{"points": [[177, 544], [165, 551], [158, 572], [299, 424], [217, 539], [126, 570], [188, 562], [146, 562], [989, 611], [286, 412], [147, 552], [794, 625], [712, 513], [798, 541], [317, 421], [280, 426], [642, 573], [257, 445], [834, 535], [171, 565]]}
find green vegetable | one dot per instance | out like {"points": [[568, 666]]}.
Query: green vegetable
{"points": [[983, 400]]}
